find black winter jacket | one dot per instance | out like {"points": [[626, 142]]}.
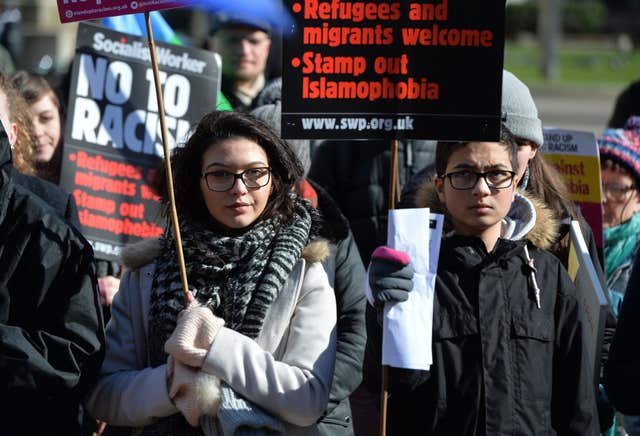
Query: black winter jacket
{"points": [[51, 329], [501, 366], [356, 175], [346, 273], [414, 191], [622, 373], [63, 203]]}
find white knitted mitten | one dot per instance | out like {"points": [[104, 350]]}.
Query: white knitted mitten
{"points": [[195, 393], [196, 329]]}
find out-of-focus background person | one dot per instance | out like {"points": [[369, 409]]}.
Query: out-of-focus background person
{"points": [[620, 167], [243, 44], [46, 121]]}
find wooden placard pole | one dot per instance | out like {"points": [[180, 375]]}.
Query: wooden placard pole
{"points": [[167, 161], [393, 185]]}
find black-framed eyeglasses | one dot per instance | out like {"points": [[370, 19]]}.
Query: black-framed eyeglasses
{"points": [[616, 191], [467, 179], [221, 180]]}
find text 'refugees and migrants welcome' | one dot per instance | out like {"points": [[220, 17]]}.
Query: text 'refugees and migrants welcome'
{"points": [[393, 69]]}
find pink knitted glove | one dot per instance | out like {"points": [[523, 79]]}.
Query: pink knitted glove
{"points": [[391, 255], [390, 276], [196, 329], [195, 393]]}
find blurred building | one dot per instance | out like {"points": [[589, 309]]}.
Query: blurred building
{"points": [[38, 40]]}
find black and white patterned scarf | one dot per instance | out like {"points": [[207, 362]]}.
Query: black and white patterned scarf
{"points": [[238, 277]]}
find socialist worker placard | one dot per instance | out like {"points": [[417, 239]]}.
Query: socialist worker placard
{"points": [[113, 139]]}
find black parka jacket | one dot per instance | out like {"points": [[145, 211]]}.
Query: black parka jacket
{"points": [[346, 274], [51, 329], [501, 365]]}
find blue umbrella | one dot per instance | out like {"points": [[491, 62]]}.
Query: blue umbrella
{"points": [[135, 24], [268, 14]]}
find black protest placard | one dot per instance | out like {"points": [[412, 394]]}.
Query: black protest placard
{"points": [[393, 69], [113, 138]]}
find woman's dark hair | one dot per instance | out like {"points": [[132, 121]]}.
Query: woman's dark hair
{"points": [[218, 126], [444, 150]]}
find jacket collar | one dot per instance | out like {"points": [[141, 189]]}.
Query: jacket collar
{"points": [[529, 218], [141, 253], [335, 225]]}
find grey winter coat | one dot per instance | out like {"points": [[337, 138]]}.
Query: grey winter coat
{"points": [[294, 353]]}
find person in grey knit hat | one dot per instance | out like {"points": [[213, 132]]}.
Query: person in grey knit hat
{"points": [[521, 118], [541, 179], [520, 109]]}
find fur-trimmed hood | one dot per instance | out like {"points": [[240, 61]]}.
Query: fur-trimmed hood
{"points": [[528, 218], [141, 253]]}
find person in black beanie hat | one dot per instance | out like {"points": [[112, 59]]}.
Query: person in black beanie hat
{"points": [[627, 105]]}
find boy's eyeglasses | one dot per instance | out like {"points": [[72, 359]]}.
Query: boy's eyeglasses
{"points": [[465, 179], [221, 181], [616, 191]]}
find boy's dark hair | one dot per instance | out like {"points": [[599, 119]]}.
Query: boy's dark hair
{"points": [[444, 150], [217, 126]]}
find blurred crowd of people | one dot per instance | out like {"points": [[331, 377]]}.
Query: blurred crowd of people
{"points": [[283, 242]]}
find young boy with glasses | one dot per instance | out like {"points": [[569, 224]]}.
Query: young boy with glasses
{"points": [[508, 349]]}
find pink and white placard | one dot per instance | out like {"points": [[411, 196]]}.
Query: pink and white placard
{"points": [[80, 10]]}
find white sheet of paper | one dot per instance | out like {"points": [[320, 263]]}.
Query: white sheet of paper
{"points": [[406, 338]]}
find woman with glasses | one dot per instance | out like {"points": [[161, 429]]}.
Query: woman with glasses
{"points": [[256, 345], [620, 167], [508, 354]]}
